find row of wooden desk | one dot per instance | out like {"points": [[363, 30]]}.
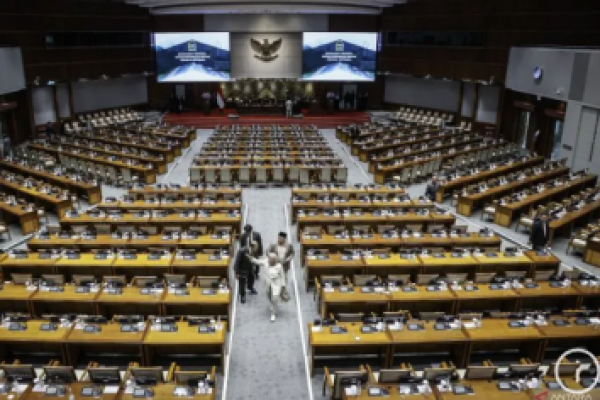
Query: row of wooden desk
{"points": [[38, 301], [112, 241], [506, 213], [179, 205], [206, 263], [168, 151], [357, 190], [364, 202], [396, 241], [57, 200], [147, 174], [76, 390], [372, 219], [231, 218], [462, 345], [70, 343], [159, 163], [142, 191], [454, 300], [339, 263], [468, 203], [92, 192], [384, 174], [497, 170]]}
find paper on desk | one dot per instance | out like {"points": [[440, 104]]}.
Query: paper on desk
{"points": [[111, 389], [39, 388], [469, 325]]}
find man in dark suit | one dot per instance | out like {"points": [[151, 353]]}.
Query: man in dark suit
{"points": [[244, 272], [252, 241], [540, 232], [431, 189]]}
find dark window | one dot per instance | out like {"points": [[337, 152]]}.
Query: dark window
{"points": [[435, 39], [56, 40]]}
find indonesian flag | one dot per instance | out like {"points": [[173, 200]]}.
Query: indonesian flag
{"points": [[220, 100]]}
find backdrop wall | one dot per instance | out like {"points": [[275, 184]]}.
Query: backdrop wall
{"points": [[428, 93], [288, 64], [265, 23], [97, 95]]}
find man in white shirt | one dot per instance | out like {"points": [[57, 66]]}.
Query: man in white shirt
{"points": [[288, 108], [284, 251]]}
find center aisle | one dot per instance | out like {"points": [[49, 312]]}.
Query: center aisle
{"points": [[266, 357]]}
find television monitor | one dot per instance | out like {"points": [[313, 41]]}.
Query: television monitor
{"points": [[333, 56], [61, 375], [104, 375], [192, 57], [19, 373], [147, 376]]}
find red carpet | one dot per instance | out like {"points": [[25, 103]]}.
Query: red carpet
{"points": [[199, 120]]}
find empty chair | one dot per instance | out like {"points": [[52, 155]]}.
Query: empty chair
{"points": [[349, 317], [210, 176], [304, 177], [294, 174], [278, 175], [363, 280], [261, 175], [225, 176], [195, 175], [325, 175], [484, 277]]}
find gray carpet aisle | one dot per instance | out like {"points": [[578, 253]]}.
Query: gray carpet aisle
{"points": [[266, 357]]}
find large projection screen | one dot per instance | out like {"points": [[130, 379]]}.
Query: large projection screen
{"points": [[12, 74], [334, 56], [192, 57]]}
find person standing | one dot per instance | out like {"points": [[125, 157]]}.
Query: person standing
{"points": [[244, 272], [284, 252], [253, 241], [275, 280], [540, 232], [432, 188], [288, 108], [50, 130], [6, 146]]}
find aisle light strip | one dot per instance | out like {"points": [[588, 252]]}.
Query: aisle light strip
{"points": [[232, 322], [299, 309], [353, 159]]}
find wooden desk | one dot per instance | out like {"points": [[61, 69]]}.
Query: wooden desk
{"points": [[335, 301], [142, 265], [197, 302], [467, 204], [568, 221], [74, 389], [353, 342], [542, 262], [506, 213], [395, 264], [202, 265], [110, 340], [502, 263], [164, 391], [32, 340], [334, 264], [591, 254], [32, 263], [422, 299], [453, 341], [484, 389], [16, 298], [485, 175], [448, 264], [28, 220], [496, 334], [93, 192], [486, 298], [545, 295], [131, 301], [54, 200], [562, 338], [66, 302], [187, 340], [86, 264]]}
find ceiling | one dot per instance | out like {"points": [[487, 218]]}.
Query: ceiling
{"points": [[264, 7]]}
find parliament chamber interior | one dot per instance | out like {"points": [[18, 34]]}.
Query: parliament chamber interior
{"points": [[318, 199]]}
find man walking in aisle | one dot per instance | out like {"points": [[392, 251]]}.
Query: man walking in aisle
{"points": [[253, 241], [244, 272], [284, 252]]}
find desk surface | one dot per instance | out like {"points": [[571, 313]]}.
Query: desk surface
{"points": [[487, 390], [164, 391], [69, 294], [354, 337], [196, 296], [130, 295], [498, 329], [38, 392], [111, 333], [34, 334], [186, 334], [16, 292], [428, 335]]}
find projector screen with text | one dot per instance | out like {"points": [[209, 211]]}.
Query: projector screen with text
{"points": [[192, 57], [333, 56]]}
